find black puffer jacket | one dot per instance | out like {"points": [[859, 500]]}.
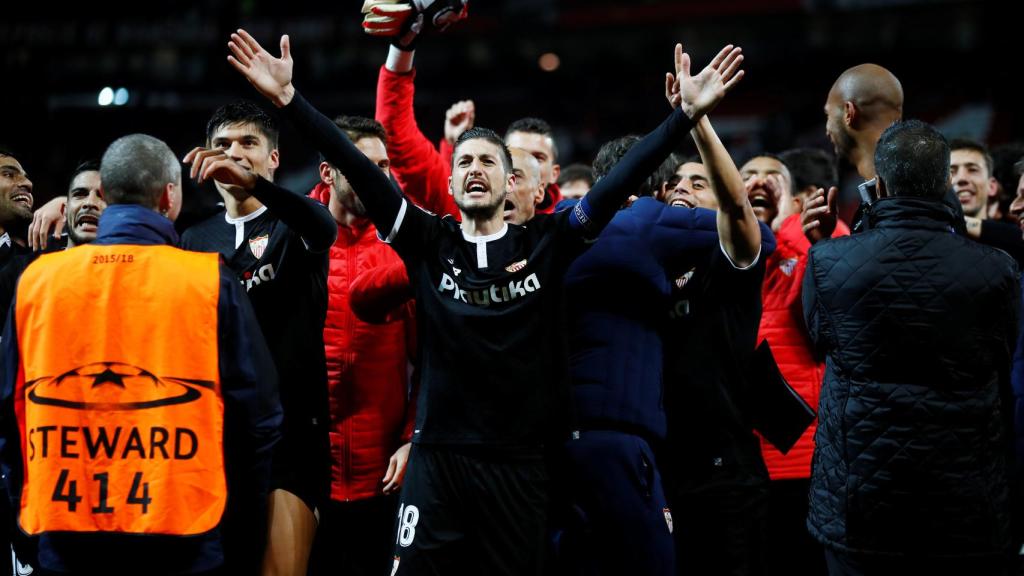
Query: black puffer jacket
{"points": [[912, 447]]}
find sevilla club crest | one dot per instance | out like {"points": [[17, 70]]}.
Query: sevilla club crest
{"points": [[258, 245]]}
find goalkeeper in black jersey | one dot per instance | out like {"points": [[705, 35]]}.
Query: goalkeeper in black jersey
{"points": [[489, 302]]}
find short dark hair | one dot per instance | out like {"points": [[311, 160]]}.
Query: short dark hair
{"points": [[680, 159], [912, 158], [1005, 157], [662, 175], [481, 133], [8, 153], [975, 146], [777, 158], [90, 165], [359, 127], [532, 125], [574, 172], [243, 112], [675, 162], [612, 152], [810, 167], [771, 155], [1018, 168], [609, 154], [136, 168]]}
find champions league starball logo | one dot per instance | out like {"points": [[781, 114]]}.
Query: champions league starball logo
{"points": [[106, 386]]}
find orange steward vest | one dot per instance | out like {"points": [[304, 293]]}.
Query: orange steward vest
{"points": [[118, 396]]}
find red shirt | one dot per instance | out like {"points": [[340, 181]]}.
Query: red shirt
{"points": [[782, 324]]}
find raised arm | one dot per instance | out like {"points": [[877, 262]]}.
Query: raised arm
{"points": [[696, 96], [272, 77], [737, 225], [419, 167], [738, 228]]}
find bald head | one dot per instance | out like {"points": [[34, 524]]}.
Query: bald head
{"points": [[140, 169], [521, 203], [873, 90], [864, 101], [136, 168]]}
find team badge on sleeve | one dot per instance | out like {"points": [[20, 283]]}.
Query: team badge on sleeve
{"points": [[668, 518]]}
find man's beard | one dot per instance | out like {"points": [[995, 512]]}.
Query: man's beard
{"points": [[482, 211], [353, 205], [844, 144], [73, 235]]}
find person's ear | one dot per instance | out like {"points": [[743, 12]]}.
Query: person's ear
{"points": [[326, 174], [850, 114], [798, 203], [166, 203], [881, 189]]}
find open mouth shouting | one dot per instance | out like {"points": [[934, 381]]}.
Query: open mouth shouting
{"points": [[87, 222], [477, 188], [761, 199], [510, 210]]}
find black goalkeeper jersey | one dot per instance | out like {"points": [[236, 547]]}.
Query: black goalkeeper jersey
{"points": [[287, 285], [489, 309], [490, 319]]}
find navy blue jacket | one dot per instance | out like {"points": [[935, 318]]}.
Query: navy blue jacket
{"points": [[618, 293], [252, 418]]}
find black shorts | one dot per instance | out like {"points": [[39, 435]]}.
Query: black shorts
{"points": [[471, 512], [301, 463]]}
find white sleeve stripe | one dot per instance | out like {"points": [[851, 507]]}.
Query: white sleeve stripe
{"points": [[733, 264], [398, 222]]}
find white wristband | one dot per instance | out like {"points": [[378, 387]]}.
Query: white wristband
{"points": [[399, 61]]}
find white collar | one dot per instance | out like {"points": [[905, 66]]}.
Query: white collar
{"points": [[489, 237], [242, 219]]}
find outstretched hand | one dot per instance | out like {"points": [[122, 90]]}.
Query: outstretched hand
{"points": [[271, 76], [699, 94]]}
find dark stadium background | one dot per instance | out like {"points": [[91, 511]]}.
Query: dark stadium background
{"points": [[958, 62]]}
